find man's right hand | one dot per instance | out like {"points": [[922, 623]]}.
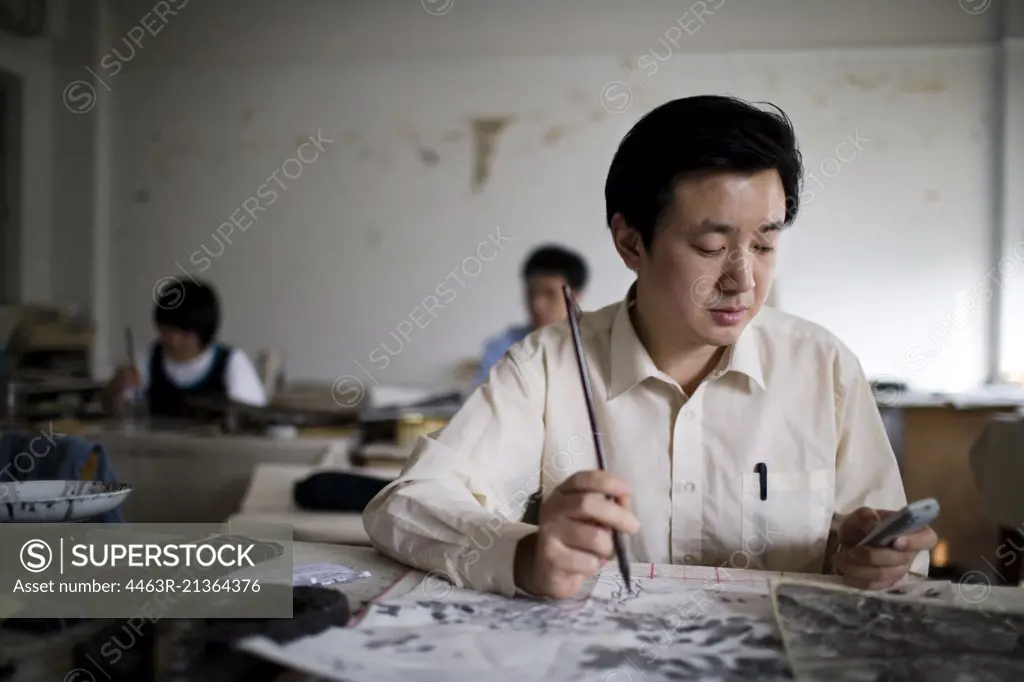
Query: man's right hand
{"points": [[574, 534], [125, 378]]}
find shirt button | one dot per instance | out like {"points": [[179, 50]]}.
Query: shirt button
{"points": [[690, 559]]}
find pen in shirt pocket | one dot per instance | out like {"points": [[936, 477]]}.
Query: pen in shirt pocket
{"points": [[761, 469]]}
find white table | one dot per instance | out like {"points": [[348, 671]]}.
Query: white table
{"points": [[269, 500], [215, 468]]}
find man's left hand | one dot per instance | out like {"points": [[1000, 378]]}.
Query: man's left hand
{"points": [[877, 568]]}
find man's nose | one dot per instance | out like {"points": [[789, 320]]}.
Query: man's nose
{"points": [[738, 272]]}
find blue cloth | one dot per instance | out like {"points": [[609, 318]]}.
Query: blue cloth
{"points": [[497, 346], [49, 456]]}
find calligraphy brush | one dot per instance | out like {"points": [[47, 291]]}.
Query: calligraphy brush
{"points": [[129, 343], [588, 395]]}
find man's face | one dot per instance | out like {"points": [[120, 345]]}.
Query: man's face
{"points": [[545, 300], [179, 344], [712, 259]]}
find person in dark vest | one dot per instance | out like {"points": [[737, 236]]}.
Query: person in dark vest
{"points": [[185, 360]]}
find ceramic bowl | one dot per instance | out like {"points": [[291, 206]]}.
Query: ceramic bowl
{"points": [[59, 501]]}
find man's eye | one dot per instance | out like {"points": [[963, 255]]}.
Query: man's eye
{"points": [[708, 252]]}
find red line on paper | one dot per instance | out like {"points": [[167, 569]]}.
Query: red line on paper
{"points": [[380, 597], [652, 569], [717, 580]]}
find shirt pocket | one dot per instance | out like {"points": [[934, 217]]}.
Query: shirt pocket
{"points": [[788, 530]]}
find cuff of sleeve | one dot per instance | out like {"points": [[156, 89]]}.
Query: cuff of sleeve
{"points": [[495, 569]]}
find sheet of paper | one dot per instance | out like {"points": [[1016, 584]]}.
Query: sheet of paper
{"points": [[835, 634], [735, 580], [325, 574], [683, 624], [689, 578]]}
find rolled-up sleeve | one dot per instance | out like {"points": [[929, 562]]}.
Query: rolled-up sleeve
{"points": [[867, 474], [455, 509]]}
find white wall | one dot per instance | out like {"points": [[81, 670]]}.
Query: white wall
{"points": [[882, 244], [1012, 214], [208, 108]]}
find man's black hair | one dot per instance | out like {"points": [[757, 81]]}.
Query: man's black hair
{"points": [[707, 133], [191, 306], [556, 260]]}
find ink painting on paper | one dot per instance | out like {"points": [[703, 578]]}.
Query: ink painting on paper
{"points": [[680, 625], [837, 634]]}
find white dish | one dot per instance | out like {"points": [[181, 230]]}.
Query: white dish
{"points": [[283, 432], [59, 501]]}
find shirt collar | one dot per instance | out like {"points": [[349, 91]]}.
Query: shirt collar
{"points": [[631, 364]]}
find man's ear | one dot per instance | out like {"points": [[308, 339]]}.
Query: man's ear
{"points": [[627, 242]]}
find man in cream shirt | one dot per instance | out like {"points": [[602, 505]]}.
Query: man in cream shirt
{"points": [[696, 385]]}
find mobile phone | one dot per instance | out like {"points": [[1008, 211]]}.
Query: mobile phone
{"points": [[914, 516]]}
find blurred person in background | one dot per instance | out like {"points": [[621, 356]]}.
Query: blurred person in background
{"points": [[185, 359], [545, 271]]}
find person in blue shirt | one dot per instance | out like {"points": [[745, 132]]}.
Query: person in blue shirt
{"points": [[544, 272]]}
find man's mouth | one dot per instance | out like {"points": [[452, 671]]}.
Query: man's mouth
{"points": [[729, 315]]}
